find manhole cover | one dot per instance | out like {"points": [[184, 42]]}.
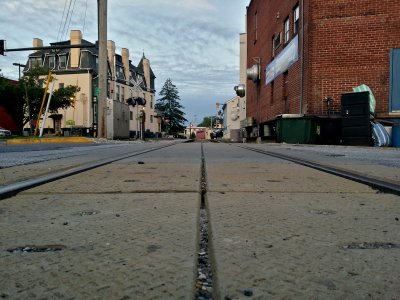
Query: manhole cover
{"points": [[33, 248]]}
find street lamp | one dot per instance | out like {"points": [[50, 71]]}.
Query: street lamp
{"points": [[19, 69]]}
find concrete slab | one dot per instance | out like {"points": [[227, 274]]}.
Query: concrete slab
{"points": [[240, 170], [21, 165], [115, 242], [277, 177], [172, 169], [382, 163], [291, 245], [128, 176], [125, 246]]}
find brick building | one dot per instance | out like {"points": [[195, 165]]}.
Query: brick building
{"points": [[326, 49]]}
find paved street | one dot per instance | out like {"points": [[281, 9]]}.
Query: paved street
{"points": [[130, 229]]}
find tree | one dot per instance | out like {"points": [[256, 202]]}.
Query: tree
{"points": [[170, 109], [13, 97], [207, 121]]}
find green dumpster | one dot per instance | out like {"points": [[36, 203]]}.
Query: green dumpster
{"points": [[298, 130]]}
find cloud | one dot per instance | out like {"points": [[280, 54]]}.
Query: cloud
{"points": [[193, 42]]}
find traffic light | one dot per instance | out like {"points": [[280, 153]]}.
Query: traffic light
{"points": [[131, 101], [2, 47]]}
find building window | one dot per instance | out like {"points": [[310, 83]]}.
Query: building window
{"points": [[61, 85], [255, 27], [151, 101], [35, 62], [108, 90], [272, 92], [296, 18], [122, 94], [287, 30], [285, 95], [151, 118], [273, 46], [63, 61], [52, 62], [85, 59], [131, 115], [277, 40], [118, 93], [120, 73]]}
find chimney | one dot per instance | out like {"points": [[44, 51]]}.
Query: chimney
{"points": [[146, 71], [37, 43], [75, 39], [125, 61], [111, 56]]}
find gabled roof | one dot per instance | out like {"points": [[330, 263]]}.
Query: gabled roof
{"points": [[140, 68]]}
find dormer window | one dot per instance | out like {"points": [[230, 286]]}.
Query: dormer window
{"points": [[63, 61], [120, 72], [35, 62], [52, 62]]}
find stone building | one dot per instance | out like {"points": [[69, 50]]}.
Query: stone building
{"points": [[79, 66]]}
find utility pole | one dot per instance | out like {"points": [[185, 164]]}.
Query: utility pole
{"points": [[102, 101]]}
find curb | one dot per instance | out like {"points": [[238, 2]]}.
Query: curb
{"points": [[48, 141]]}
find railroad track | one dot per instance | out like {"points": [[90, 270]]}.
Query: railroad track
{"points": [[203, 281], [381, 185], [12, 189]]}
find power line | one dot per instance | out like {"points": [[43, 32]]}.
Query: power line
{"points": [[61, 22], [66, 20], [70, 18], [84, 19]]}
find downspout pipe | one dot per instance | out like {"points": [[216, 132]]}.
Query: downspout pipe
{"points": [[302, 58]]}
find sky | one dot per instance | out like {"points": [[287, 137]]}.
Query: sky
{"points": [[193, 42]]}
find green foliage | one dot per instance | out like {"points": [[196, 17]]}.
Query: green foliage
{"points": [[13, 98], [207, 121], [170, 109]]}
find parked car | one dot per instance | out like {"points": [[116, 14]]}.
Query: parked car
{"points": [[4, 132]]}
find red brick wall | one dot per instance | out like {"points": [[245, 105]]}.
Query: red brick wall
{"points": [[346, 43], [262, 103], [350, 42]]}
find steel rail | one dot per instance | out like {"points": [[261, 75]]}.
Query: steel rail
{"points": [[381, 185], [14, 188]]}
